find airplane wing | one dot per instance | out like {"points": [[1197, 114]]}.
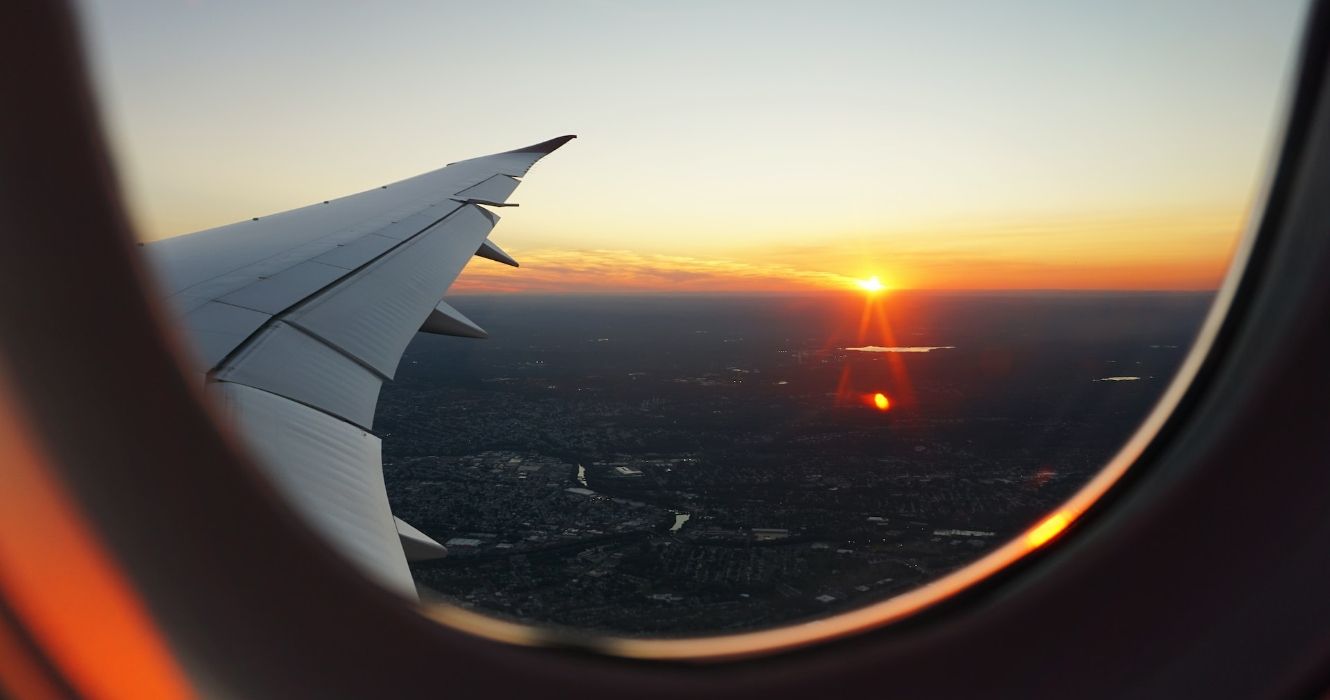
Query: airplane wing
{"points": [[298, 318]]}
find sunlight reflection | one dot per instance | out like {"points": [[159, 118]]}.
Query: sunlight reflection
{"points": [[881, 401], [874, 330], [1048, 529]]}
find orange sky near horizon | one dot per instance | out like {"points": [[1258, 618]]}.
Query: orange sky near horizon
{"points": [[1143, 256], [628, 272]]}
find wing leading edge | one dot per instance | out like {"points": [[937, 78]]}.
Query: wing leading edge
{"points": [[299, 317]]}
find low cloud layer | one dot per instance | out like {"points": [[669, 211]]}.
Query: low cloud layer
{"points": [[627, 271], [907, 348]]}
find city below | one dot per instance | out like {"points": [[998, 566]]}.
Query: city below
{"points": [[684, 465]]}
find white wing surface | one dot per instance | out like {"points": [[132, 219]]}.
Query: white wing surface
{"points": [[298, 318]]}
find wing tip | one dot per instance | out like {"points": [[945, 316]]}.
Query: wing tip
{"points": [[546, 147]]}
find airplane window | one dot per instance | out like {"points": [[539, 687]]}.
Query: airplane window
{"points": [[831, 309]]}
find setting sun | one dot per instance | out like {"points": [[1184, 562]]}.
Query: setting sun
{"points": [[871, 285]]}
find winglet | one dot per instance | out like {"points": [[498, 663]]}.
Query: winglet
{"points": [[490, 250], [546, 146], [445, 320]]}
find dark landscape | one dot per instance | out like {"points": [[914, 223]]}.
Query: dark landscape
{"points": [[681, 465]]}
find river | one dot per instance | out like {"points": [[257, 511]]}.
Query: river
{"points": [[679, 517]]}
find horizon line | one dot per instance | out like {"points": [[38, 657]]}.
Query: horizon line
{"points": [[823, 292]]}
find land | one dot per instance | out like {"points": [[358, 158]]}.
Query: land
{"points": [[676, 466]]}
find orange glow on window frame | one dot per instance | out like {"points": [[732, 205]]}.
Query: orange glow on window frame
{"points": [[65, 589], [1047, 529]]}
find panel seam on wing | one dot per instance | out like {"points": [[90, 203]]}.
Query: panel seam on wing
{"points": [[306, 404], [295, 324], [280, 316]]}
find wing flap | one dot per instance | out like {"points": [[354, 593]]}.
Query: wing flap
{"points": [[374, 314], [332, 473], [289, 362]]}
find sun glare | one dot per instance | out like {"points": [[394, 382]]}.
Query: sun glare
{"points": [[872, 285], [881, 401], [1046, 530]]}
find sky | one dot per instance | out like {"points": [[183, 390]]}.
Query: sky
{"points": [[727, 146]]}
